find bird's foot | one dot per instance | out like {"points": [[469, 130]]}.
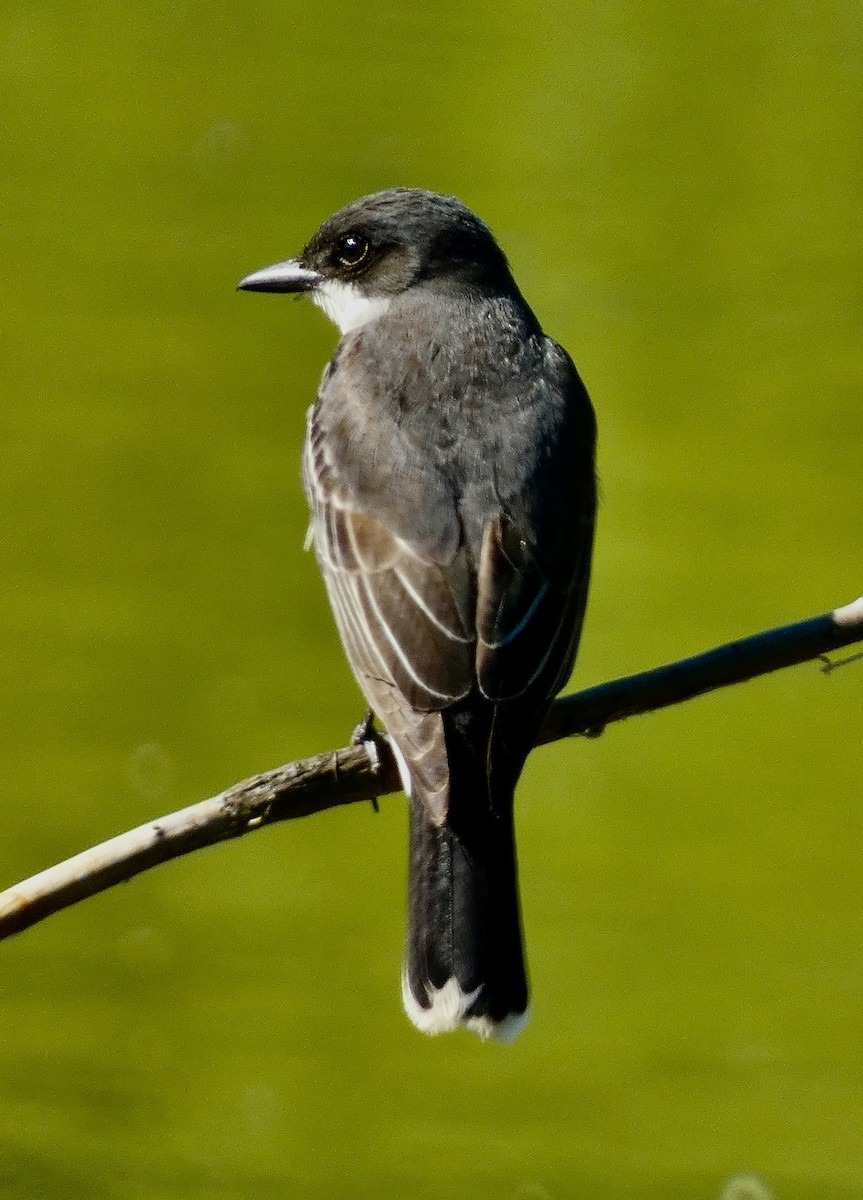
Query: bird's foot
{"points": [[364, 731], [365, 734]]}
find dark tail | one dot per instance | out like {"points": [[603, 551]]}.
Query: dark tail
{"points": [[464, 963]]}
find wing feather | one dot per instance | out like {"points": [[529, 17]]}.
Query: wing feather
{"points": [[528, 624], [401, 621]]}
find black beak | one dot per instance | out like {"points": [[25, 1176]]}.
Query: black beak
{"points": [[288, 276]]}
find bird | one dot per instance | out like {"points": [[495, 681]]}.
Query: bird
{"points": [[449, 466]]}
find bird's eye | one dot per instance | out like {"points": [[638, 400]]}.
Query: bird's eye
{"points": [[352, 249]]}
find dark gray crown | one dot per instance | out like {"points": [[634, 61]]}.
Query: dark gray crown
{"points": [[404, 236]]}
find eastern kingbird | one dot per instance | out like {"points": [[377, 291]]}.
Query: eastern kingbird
{"points": [[449, 466]]}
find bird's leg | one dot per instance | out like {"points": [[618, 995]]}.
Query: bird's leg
{"points": [[365, 734], [364, 731]]}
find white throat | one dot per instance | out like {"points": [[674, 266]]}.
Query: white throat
{"points": [[346, 306]]}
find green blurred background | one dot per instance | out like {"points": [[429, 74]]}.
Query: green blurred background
{"points": [[679, 191]]}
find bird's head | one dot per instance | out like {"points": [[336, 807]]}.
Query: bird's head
{"points": [[383, 246]]}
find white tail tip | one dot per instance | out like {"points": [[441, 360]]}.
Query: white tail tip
{"points": [[448, 1008]]}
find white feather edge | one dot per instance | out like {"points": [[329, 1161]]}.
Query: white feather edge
{"points": [[404, 770]]}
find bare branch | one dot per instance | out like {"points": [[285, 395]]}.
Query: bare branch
{"points": [[364, 772], [591, 710]]}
